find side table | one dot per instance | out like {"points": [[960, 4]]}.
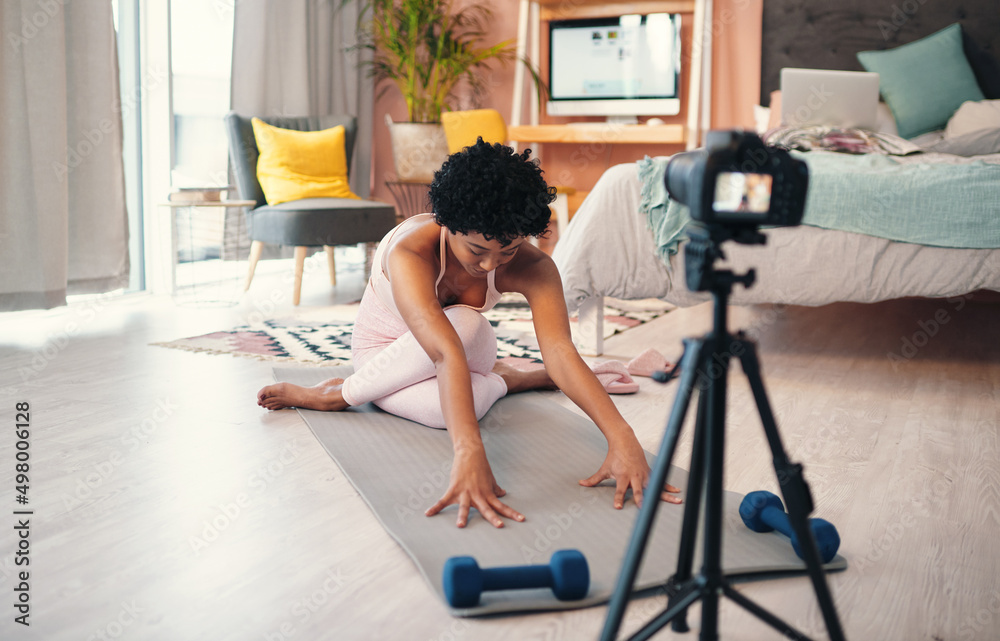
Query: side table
{"points": [[213, 278]]}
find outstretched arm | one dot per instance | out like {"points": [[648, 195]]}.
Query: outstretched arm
{"points": [[472, 483], [625, 461]]}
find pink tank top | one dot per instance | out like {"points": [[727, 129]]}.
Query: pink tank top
{"points": [[382, 288]]}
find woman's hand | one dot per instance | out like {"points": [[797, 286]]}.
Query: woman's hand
{"points": [[472, 485], [626, 464]]}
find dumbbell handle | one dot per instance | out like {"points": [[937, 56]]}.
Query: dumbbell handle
{"points": [[524, 576], [763, 511], [827, 545], [778, 520]]}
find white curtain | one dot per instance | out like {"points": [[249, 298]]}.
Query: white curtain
{"points": [[63, 222], [291, 58]]}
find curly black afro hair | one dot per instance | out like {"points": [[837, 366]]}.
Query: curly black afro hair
{"points": [[492, 190]]}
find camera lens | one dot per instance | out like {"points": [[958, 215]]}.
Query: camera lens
{"points": [[679, 175]]}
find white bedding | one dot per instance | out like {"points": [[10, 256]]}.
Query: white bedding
{"points": [[607, 250]]}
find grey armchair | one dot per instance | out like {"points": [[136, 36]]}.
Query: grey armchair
{"points": [[310, 222]]}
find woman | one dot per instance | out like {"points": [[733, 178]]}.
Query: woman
{"points": [[423, 350]]}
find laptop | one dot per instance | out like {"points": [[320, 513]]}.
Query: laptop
{"points": [[831, 98]]}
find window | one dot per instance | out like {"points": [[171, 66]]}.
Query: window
{"points": [[201, 49], [176, 140]]}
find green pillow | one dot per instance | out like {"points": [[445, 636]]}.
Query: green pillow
{"points": [[924, 82]]}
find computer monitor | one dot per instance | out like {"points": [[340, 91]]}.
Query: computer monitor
{"points": [[627, 65]]}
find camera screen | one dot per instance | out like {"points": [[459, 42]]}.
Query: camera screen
{"points": [[744, 193]]}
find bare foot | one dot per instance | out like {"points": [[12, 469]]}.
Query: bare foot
{"points": [[325, 396], [523, 380]]}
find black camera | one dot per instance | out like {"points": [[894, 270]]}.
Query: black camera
{"points": [[737, 180], [732, 186]]}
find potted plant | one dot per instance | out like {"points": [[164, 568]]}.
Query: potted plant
{"points": [[427, 49]]}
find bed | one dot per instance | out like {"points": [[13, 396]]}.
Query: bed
{"points": [[608, 249]]}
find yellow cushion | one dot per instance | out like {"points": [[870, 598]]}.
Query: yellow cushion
{"points": [[301, 164], [461, 128]]}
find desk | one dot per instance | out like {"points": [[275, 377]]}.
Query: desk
{"points": [[204, 274], [599, 132], [411, 197]]}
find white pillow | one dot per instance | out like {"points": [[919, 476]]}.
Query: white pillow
{"points": [[973, 116], [885, 123]]}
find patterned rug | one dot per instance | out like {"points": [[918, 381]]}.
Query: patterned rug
{"points": [[323, 336]]}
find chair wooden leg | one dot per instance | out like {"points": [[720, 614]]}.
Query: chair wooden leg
{"points": [[300, 263], [256, 248], [332, 262]]}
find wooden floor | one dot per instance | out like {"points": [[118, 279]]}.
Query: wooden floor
{"points": [[167, 505]]}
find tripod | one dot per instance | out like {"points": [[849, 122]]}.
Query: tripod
{"points": [[708, 358]]}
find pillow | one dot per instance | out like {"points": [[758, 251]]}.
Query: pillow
{"points": [[977, 143], [300, 164], [972, 117], [885, 123], [925, 81]]}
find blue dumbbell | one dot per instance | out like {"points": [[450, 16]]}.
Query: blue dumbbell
{"points": [[567, 574], [763, 511]]}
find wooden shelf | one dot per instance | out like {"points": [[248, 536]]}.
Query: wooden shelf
{"points": [[560, 9], [599, 132], [533, 12]]}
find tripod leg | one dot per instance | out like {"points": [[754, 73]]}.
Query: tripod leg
{"points": [[794, 489], [715, 454], [644, 522], [692, 508]]}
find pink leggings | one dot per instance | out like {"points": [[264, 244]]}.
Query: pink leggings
{"points": [[393, 371]]}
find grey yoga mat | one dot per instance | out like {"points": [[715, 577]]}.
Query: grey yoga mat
{"points": [[538, 451]]}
